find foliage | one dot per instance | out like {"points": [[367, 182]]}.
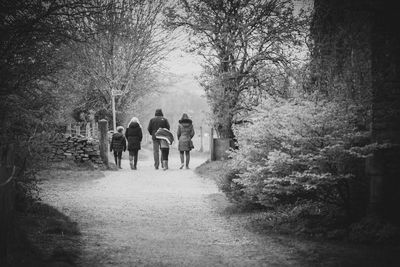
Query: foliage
{"points": [[341, 50], [374, 230], [300, 150], [237, 39], [31, 34], [122, 54], [32, 37]]}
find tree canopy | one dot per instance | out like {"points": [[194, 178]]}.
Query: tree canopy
{"points": [[238, 39]]}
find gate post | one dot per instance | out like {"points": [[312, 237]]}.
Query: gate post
{"points": [[103, 140], [212, 152]]}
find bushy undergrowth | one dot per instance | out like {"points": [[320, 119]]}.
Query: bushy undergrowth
{"points": [[300, 150]]}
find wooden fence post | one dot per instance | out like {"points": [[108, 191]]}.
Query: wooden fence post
{"points": [[212, 152], [69, 128], [103, 139], [88, 133], [96, 130], [78, 130]]}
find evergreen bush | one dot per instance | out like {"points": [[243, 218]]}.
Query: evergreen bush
{"points": [[300, 150]]}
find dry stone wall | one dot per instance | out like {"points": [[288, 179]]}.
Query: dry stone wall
{"points": [[77, 148]]}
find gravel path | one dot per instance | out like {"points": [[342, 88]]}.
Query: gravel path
{"points": [[159, 218]]}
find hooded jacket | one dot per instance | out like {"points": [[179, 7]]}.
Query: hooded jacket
{"points": [[157, 122], [118, 142], [185, 133], [134, 136]]}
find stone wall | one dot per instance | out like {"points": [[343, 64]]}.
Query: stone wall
{"points": [[77, 148]]}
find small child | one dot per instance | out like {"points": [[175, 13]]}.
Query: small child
{"points": [[164, 146], [166, 138], [118, 144]]}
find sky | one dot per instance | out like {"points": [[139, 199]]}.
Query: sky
{"points": [[180, 62]]}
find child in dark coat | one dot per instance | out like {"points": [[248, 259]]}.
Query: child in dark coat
{"points": [[118, 144]]}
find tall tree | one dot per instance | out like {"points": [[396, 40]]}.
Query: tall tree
{"points": [[127, 45], [237, 38], [384, 166], [356, 57], [31, 34]]}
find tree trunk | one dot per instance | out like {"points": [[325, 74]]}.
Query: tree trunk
{"points": [[384, 165], [224, 130]]}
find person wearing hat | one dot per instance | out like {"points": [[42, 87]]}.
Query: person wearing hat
{"points": [[156, 123], [185, 134], [118, 144]]}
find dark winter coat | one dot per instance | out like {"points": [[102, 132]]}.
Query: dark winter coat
{"points": [[156, 123], [134, 136], [118, 142], [185, 134]]}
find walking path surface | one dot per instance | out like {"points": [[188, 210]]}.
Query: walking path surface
{"points": [[153, 217]]}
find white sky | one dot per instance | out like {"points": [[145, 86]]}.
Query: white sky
{"points": [[180, 62]]}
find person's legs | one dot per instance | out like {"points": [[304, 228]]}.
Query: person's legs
{"points": [[187, 153], [156, 153], [131, 155], [119, 155], [116, 157], [181, 154], [165, 152], [135, 156]]}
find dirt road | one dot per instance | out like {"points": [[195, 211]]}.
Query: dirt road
{"points": [[153, 217]]}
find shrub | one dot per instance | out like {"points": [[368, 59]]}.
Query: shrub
{"points": [[300, 150]]}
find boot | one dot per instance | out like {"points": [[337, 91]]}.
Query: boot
{"points": [[119, 164], [131, 164], [165, 165]]}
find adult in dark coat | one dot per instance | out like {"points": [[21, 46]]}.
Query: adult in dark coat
{"points": [[185, 134], [134, 136], [156, 123], [118, 144]]}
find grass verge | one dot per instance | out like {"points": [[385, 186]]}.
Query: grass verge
{"points": [[44, 236], [312, 238]]}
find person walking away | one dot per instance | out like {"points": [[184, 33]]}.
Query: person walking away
{"points": [[134, 137], [156, 123], [185, 134], [118, 144], [166, 138]]}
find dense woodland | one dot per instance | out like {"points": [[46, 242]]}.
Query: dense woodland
{"points": [[309, 91]]}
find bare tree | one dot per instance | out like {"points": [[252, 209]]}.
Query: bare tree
{"points": [[237, 38], [128, 44]]}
